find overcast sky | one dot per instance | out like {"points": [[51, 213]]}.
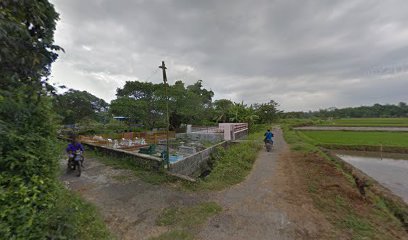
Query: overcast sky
{"points": [[306, 55]]}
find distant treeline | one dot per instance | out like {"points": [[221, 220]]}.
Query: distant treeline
{"points": [[377, 110]]}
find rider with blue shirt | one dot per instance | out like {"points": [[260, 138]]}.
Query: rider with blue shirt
{"points": [[268, 137]]}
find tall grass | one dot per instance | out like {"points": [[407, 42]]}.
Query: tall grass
{"points": [[74, 218], [185, 221], [232, 165]]}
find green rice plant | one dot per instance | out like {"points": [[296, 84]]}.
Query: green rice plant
{"points": [[366, 122], [397, 139]]}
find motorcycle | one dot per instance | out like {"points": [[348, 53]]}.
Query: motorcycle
{"points": [[268, 145], [75, 162]]}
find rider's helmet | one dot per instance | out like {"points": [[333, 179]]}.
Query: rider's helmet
{"points": [[73, 137]]}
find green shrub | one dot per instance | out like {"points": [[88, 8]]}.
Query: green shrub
{"points": [[72, 218], [27, 134]]}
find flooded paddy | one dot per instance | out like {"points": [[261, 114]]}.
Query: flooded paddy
{"points": [[390, 170]]}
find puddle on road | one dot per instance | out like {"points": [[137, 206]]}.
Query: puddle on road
{"points": [[392, 173]]}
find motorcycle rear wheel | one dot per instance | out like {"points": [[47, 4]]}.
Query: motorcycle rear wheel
{"points": [[78, 168]]}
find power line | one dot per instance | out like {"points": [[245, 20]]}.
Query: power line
{"points": [[156, 70]]}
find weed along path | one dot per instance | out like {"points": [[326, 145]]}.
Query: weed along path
{"points": [[269, 204]]}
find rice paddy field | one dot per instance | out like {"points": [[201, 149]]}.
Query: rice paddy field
{"points": [[395, 139], [366, 122]]}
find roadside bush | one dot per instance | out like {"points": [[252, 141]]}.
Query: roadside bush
{"points": [[72, 218], [27, 167], [28, 160]]}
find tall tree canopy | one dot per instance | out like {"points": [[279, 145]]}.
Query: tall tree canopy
{"points": [[74, 106], [146, 102], [27, 160], [267, 112], [141, 101]]}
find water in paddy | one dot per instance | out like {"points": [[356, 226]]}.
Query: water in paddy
{"points": [[392, 173]]}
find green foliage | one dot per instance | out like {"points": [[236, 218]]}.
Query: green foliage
{"points": [[228, 111], [141, 102], [267, 112], [257, 129], [296, 142], [366, 122], [188, 217], [75, 106], [398, 139], [145, 102], [26, 44], [27, 132], [231, 165], [362, 229], [222, 108], [72, 218], [186, 220], [375, 111]]}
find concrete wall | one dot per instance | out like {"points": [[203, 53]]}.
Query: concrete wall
{"points": [[142, 160], [241, 134], [234, 131], [194, 165], [212, 137]]}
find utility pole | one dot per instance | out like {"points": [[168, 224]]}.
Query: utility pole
{"points": [[163, 67]]}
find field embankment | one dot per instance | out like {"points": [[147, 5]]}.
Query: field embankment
{"points": [[334, 191], [362, 141]]}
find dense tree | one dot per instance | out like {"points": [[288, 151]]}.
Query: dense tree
{"points": [[74, 106], [198, 103], [147, 102], [267, 112], [27, 160], [222, 109], [146, 99], [377, 110]]}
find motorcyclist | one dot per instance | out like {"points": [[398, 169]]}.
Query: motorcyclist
{"points": [[268, 137], [73, 147]]}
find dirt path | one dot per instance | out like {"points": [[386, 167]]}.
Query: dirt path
{"points": [[269, 204], [128, 205]]}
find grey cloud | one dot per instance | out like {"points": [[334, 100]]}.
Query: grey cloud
{"points": [[307, 55]]}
